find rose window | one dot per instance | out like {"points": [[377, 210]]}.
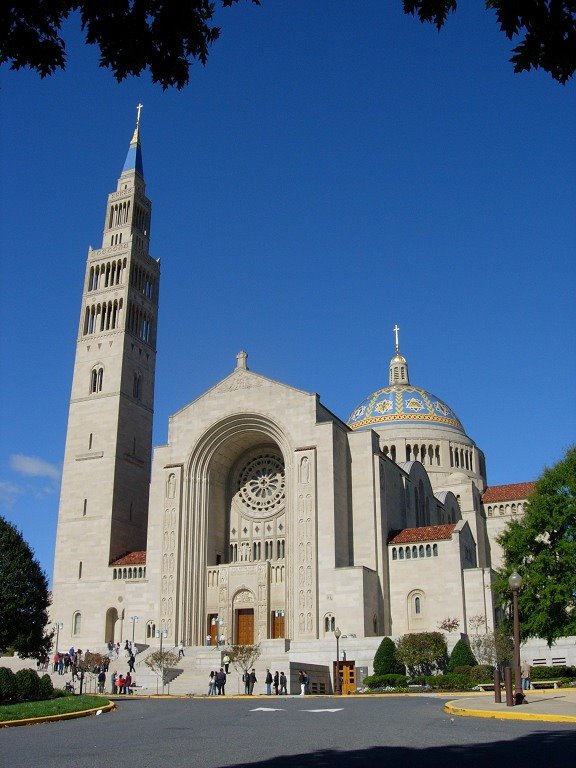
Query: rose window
{"points": [[260, 485]]}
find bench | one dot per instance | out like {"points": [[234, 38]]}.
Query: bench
{"points": [[534, 684]]}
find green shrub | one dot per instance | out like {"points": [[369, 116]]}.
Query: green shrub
{"points": [[482, 673], [385, 681], [551, 673], [27, 685], [449, 682], [45, 687], [465, 669], [7, 684], [461, 656], [385, 661]]}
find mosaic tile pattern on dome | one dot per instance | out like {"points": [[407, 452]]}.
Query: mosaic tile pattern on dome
{"points": [[403, 403]]}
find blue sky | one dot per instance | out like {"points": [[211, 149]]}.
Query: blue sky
{"points": [[335, 169]]}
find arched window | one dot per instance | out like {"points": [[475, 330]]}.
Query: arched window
{"points": [[150, 630], [401, 553], [428, 550], [417, 606], [394, 553], [77, 623], [435, 550], [329, 622], [421, 550], [414, 551]]}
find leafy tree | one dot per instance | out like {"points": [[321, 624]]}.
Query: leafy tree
{"points": [[422, 652], [164, 36], [243, 657], [160, 661], [167, 36], [461, 656], [541, 546], [24, 597], [385, 661], [547, 30]]}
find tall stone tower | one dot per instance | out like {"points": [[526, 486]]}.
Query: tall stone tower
{"points": [[104, 498]]}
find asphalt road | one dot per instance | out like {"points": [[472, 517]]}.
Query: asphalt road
{"points": [[286, 733]]}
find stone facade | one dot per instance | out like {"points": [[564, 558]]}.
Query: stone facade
{"points": [[264, 517]]}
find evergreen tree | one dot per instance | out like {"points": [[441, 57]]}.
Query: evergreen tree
{"points": [[385, 661], [461, 656], [542, 548], [24, 597]]}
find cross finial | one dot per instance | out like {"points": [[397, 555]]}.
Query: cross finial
{"points": [[138, 110], [396, 329]]}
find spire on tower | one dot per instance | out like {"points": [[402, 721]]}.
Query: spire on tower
{"points": [[134, 156], [398, 364]]}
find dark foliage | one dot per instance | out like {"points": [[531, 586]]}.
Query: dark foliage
{"points": [[24, 597], [7, 684], [385, 661], [546, 28], [163, 36], [461, 656], [26, 685]]}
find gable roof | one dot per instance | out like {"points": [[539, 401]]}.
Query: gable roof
{"points": [[132, 558], [510, 492], [424, 533]]}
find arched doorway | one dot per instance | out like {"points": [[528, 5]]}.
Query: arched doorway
{"points": [[111, 619]]}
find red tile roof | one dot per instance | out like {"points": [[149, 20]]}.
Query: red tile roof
{"points": [[511, 492], [425, 533], [132, 558]]}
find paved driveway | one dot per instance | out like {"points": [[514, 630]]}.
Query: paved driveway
{"points": [[290, 733]]}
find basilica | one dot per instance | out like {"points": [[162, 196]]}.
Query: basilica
{"points": [[265, 518]]}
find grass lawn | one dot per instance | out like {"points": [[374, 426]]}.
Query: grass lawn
{"points": [[58, 706]]}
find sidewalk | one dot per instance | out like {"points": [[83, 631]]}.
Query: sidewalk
{"points": [[556, 706]]}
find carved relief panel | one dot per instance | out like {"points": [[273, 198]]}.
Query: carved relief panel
{"points": [[306, 560]]}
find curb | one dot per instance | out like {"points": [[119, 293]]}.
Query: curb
{"points": [[53, 718], [452, 708]]}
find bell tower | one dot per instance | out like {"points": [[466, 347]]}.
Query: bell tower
{"points": [[105, 483]]}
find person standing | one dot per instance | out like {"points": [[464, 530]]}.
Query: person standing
{"points": [[221, 682], [212, 684], [101, 680], [180, 649], [283, 681], [268, 682], [276, 682], [226, 662], [128, 683], [131, 663], [252, 682], [303, 680], [525, 676], [246, 681]]}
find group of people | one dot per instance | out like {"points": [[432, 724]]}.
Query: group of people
{"points": [[275, 682], [119, 683]]}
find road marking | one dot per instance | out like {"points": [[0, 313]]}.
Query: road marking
{"points": [[322, 710], [266, 709]]}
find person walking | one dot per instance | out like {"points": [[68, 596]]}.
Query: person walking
{"points": [[283, 682], [276, 682], [180, 649], [268, 682], [131, 663], [226, 662], [303, 680]]}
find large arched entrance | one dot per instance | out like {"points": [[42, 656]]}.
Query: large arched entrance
{"points": [[111, 619]]}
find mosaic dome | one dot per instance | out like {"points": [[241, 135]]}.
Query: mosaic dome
{"points": [[401, 403]]}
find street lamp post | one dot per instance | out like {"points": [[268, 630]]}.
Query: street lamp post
{"points": [[134, 620], [58, 626], [337, 683], [515, 582]]}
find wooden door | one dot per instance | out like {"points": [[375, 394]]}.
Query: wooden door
{"points": [[213, 628], [348, 677], [277, 626], [245, 626]]}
